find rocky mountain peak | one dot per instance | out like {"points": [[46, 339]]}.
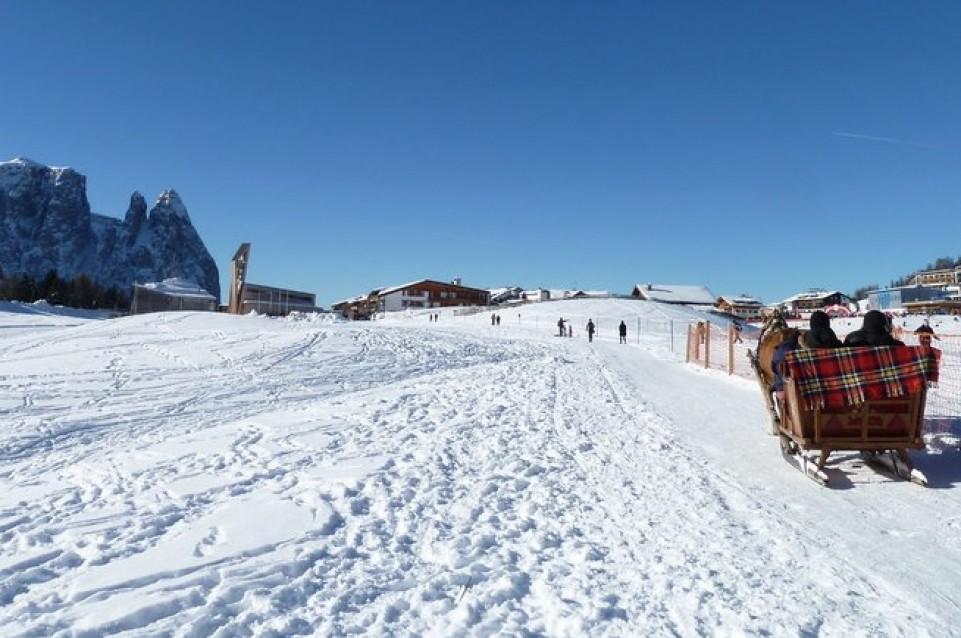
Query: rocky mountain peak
{"points": [[136, 215], [46, 224], [169, 202]]}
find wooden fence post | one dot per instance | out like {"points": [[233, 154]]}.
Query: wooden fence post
{"points": [[707, 344], [730, 349]]}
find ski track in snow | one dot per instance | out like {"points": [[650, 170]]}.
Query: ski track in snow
{"points": [[190, 475]]}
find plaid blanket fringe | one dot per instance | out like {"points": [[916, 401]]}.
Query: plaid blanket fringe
{"points": [[841, 377]]}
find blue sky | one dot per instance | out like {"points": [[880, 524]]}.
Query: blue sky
{"points": [[754, 147]]}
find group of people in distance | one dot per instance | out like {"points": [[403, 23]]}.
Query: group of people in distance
{"points": [[567, 331]]}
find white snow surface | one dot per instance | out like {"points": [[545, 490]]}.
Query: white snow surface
{"points": [[195, 474]]}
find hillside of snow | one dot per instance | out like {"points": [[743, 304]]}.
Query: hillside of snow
{"points": [[195, 474]]}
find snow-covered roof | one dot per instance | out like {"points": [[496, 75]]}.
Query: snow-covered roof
{"points": [[741, 300], [352, 300], [390, 289], [572, 294], [177, 287], [674, 293], [387, 291], [811, 295]]}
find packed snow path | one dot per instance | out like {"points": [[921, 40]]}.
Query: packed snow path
{"points": [[197, 474]]}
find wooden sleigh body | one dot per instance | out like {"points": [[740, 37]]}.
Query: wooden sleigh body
{"points": [[881, 429]]}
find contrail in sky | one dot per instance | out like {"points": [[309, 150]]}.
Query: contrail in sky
{"points": [[878, 138]]}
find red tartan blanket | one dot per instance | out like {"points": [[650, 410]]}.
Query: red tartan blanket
{"points": [[840, 377]]}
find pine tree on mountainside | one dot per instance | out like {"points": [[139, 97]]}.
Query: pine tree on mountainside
{"points": [[25, 289], [51, 288], [79, 292], [82, 292]]}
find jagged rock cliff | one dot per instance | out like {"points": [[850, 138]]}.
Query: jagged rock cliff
{"points": [[46, 224]]}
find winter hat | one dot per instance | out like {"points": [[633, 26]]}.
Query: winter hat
{"points": [[820, 335], [875, 321], [820, 320]]}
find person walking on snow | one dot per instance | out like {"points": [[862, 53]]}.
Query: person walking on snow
{"points": [[498, 320], [590, 330], [493, 318], [560, 327], [622, 331]]}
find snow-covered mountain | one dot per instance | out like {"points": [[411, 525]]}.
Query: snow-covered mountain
{"points": [[46, 224]]}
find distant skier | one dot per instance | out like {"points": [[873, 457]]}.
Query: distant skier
{"points": [[622, 331], [590, 330], [493, 319], [560, 327], [498, 320]]}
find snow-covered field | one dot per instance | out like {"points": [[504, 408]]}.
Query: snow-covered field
{"points": [[192, 474]]}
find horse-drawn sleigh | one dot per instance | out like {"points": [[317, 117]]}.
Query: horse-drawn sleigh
{"points": [[870, 400]]}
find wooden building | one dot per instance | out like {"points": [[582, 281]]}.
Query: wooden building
{"points": [[742, 306], [428, 293], [170, 294], [934, 307], [943, 277], [361, 307], [423, 293], [805, 303]]}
